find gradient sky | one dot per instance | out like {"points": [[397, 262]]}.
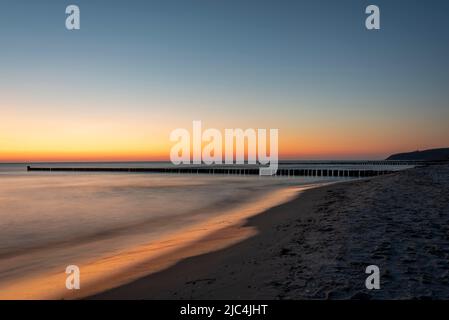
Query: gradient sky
{"points": [[139, 69]]}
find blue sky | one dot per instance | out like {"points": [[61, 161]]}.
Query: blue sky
{"points": [[232, 63]]}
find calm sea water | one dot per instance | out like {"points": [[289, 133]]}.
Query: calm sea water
{"points": [[49, 220]]}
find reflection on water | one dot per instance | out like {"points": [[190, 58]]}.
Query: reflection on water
{"points": [[48, 221]]}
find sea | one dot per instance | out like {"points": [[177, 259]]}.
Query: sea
{"points": [[113, 225]]}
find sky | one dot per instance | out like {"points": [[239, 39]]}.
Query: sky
{"points": [[136, 70]]}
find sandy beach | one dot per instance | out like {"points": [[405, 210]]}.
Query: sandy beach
{"points": [[318, 245]]}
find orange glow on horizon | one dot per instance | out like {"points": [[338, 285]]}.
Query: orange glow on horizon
{"points": [[53, 137], [117, 149], [288, 149]]}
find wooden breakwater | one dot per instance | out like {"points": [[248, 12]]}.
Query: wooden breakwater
{"points": [[315, 170]]}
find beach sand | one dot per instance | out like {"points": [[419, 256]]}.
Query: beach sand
{"points": [[318, 246]]}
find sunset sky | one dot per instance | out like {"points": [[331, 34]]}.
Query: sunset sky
{"points": [[136, 70]]}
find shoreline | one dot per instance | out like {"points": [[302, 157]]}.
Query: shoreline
{"points": [[318, 245], [116, 269], [193, 269]]}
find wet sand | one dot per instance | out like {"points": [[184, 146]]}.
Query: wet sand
{"points": [[318, 245]]}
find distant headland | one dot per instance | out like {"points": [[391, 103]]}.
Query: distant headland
{"points": [[441, 154]]}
